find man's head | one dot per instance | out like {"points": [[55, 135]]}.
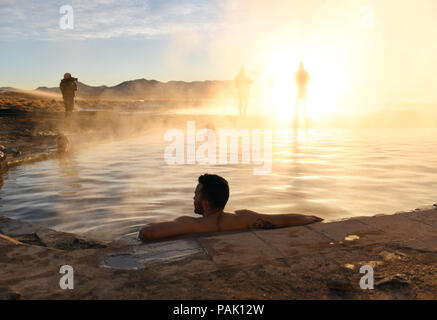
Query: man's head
{"points": [[67, 76], [211, 194], [300, 65]]}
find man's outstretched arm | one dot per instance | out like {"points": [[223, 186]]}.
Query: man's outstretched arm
{"points": [[179, 226], [246, 220], [256, 220]]}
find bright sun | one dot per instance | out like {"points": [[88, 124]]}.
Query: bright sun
{"points": [[324, 88]]}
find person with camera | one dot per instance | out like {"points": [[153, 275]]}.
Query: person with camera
{"points": [[68, 88]]}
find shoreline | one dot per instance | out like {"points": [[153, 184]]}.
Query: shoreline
{"points": [[318, 261]]}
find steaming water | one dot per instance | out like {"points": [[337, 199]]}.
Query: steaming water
{"points": [[110, 191]]}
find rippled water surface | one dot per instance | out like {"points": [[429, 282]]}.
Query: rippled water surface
{"points": [[109, 191]]}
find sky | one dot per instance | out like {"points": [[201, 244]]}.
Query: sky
{"points": [[374, 49]]}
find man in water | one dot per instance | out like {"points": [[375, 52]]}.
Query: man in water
{"points": [[210, 198], [301, 78], [242, 83], [68, 87]]}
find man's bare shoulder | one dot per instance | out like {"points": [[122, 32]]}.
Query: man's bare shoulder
{"points": [[245, 212], [198, 224], [187, 219], [192, 221], [241, 219]]}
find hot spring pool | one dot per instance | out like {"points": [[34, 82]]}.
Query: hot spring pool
{"points": [[111, 190]]}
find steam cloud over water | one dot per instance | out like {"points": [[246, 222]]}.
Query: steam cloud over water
{"points": [[149, 67]]}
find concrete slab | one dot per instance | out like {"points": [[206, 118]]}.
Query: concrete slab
{"points": [[341, 231], [420, 245], [400, 227], [350, 231], [160, 252], [428, 217], [310, 262], [238, 249], [167, 251], [289, 242], [323, 245]]}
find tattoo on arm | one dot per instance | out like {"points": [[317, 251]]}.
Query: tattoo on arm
{"points": [[262, 224]]}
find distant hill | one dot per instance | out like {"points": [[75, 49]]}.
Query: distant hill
{"points": [[143, 89], [8, 89]]}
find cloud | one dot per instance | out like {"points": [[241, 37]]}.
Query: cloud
{"points": [[104, 18]]}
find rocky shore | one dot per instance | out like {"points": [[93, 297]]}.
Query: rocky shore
{"points": [[31, 136], [319, 261]]}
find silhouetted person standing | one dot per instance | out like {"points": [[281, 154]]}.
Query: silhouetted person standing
{"points": [[301, 78], [68, 88], [242, 83]]}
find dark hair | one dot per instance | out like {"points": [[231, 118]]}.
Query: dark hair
{"points": [[215, 189]]}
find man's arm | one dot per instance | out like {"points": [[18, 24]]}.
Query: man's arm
{"points": [[179, 226], [256, 220]]}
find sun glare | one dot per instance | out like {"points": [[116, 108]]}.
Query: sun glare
{"points": [[324, 89]]}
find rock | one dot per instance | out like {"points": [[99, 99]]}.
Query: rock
{"points": [[393, 283], [65, 241], [8, 294], [393, 256], [43, 134], [351, 237], [340, 285], [31, 239], [13, 151], [396, 287]]}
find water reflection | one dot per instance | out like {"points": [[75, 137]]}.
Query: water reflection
{"points": [[110, 191], [69, 173]]}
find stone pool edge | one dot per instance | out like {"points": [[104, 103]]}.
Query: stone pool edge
{"points": [[317, 261]]}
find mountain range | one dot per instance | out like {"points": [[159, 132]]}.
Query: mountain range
{"points": [[142, 89]]}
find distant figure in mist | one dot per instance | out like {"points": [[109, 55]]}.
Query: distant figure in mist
{"points": [[68, 88], [242, 83], [301, 77]]}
